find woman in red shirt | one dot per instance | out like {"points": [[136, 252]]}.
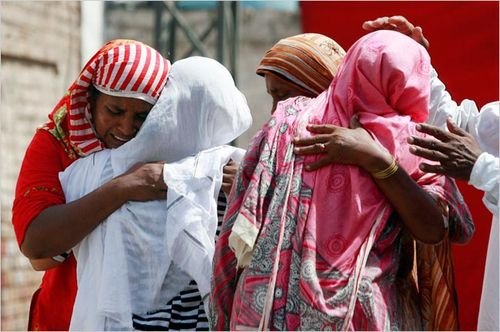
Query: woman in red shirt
{"points": [[103, 108]]}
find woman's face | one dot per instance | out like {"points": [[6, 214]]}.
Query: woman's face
{"points": [[281, 89], [116, 120]]}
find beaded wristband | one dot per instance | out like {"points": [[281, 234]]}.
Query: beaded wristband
{"points": [[389, 171]]}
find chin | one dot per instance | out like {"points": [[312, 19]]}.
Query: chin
{"points": [[113, 145]]}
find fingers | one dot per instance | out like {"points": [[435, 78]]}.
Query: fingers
{"points": [[314, 148], [162, 194], [453, 128], [229, 170], [317, 164], [427, 148], [226, 187], [368, 26], [418, 35], [379, 23], [429, 154], [434, 131], [402, 24], [428, 168], [321, 134], [398, 23], [321, 128]]}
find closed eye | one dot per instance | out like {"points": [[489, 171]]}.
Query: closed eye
{"points": [[142, 116], [114, 111]]}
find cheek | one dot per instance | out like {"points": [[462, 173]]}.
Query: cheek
{"points": [[101, 124]]}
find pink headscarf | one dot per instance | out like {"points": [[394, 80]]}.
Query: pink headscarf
{"points": [[387, 86], [335, 214], [123, 68]]}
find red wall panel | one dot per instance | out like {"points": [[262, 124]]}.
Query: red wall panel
{"points": [[464, 39]]}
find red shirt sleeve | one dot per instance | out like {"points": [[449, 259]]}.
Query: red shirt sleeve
{"points": [[38, 185]]}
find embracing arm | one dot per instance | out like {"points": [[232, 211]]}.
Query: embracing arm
{"points": [[45, 225], [417, 208], [59, 228]]}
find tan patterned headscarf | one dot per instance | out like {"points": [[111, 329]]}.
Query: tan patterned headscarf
{"points": [[309, 60]]}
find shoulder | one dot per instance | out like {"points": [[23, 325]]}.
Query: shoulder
{"points": [[45, 147]]}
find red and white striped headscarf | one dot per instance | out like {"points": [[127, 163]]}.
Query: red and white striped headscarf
{"points": [[122, 68]]}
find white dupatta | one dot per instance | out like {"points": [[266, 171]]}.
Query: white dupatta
{"points": [[146, 252]]}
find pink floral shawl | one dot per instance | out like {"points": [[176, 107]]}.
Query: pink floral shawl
{"points": [[306, 244]]}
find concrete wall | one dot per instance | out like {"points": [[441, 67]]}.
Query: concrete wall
{"points": [[40, 56], [259, 30]]}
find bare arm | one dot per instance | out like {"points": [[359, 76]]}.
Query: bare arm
{"points": [[43, 264], [59, 228], [418, 210]]}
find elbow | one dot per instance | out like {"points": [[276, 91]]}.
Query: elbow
{"points": [[432, 239], [32, 251], [433, 234], [37, 267]]}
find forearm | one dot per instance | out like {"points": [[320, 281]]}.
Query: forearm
{"points": [[59, 228], [417, 209]]}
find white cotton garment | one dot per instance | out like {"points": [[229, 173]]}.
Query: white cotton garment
{"points": [[146, 252], [193, 187], [485, 176], [484, 126], [442, 106]]}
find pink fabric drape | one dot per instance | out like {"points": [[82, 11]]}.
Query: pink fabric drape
{"points": [[316, 238]]}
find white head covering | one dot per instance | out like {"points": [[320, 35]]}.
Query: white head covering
{"points": [[124, 265], [205, 109]]}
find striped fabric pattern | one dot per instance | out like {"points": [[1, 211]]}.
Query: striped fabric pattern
{"points": [[436, 285], [122, 68], [309, 60], [184, 312]]}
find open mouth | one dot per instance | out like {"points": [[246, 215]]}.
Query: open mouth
{"points": [[120, 139]]}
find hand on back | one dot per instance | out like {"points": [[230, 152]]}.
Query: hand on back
{"points": [[341, 145], [456, 150]]}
